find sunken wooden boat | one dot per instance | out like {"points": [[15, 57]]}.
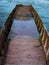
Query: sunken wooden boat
{"points": [[22, 12]]}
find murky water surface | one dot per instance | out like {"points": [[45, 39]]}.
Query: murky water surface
{"points": [[41, 6]]}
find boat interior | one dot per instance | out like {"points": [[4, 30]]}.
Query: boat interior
{"points": [[19, 39]]}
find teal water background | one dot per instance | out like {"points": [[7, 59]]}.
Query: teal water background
{"points": [[41, 6]]}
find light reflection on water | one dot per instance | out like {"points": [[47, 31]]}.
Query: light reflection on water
{"points": [[42, 7], [23, 27]]}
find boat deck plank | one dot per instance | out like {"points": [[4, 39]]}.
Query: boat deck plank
{"points": [[23, 13], [25, 51]]}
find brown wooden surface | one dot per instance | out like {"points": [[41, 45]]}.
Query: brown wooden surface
{"points": [[23, 12], [25, 51]]}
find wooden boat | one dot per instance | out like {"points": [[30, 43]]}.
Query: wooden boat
{"points": [[22, 12]]}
